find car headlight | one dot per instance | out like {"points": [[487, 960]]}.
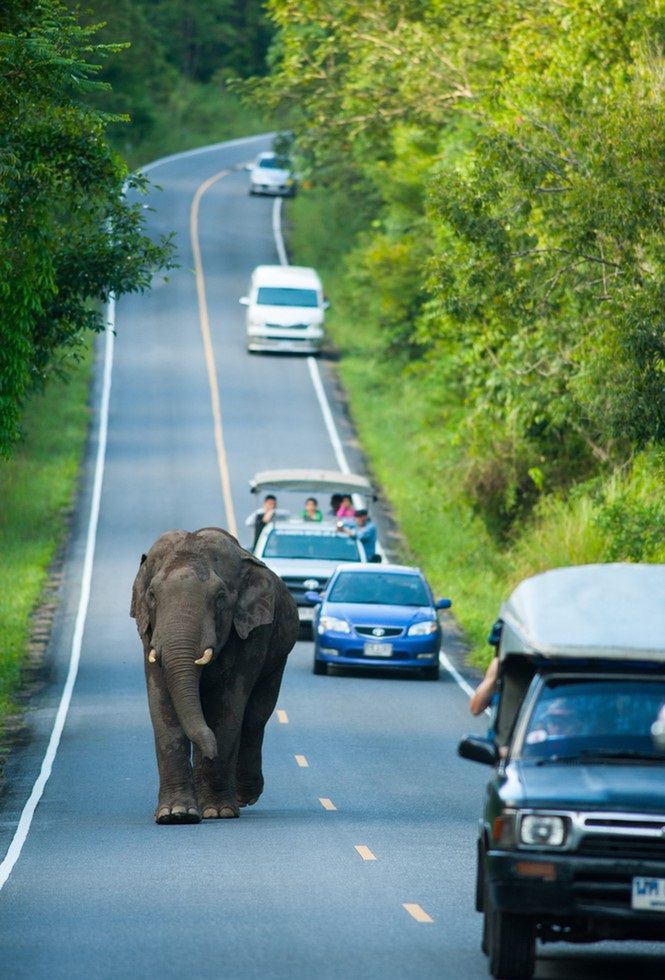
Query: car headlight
{"points": [[330, 624], [540, 828], [425, 628]]}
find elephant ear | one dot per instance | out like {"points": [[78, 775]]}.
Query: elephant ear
{"points": [[256, 597], [139, 607]]}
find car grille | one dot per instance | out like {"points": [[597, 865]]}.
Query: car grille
{"points": [[286, 326], [621, 846], [387, 631], [296, 586]]}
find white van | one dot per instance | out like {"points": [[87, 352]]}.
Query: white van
{"points": [[285, 309]]}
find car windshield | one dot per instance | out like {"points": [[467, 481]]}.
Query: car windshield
{"points": [[286, 296], [595, 718], [379, 588], [327, 547], [273, 163]]}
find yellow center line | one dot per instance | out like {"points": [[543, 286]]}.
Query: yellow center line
{"points": [[282, 716], [417, 912], [302, 761], [208, 350], [326, 803], [365, 852]]}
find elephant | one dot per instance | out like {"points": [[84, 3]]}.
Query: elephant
{"points": [[217, 626]]}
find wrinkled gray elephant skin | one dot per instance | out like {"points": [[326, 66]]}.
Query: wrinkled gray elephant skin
{"points": [[217, 627]]}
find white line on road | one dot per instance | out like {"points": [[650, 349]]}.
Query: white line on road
{"points": [[282, 716], [302, 761], [365, 852], [330, 422], [28, 813], [327, 803]]}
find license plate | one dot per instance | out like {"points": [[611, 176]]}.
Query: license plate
{"points": [[649, 894], [378, 649], [306, 614]]}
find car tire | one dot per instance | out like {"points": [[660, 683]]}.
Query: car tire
{"points": [[319, 667], [480, 878], [431, 673], [512, 945]]}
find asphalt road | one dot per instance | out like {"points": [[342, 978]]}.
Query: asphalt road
{"points": [[293, 888]]}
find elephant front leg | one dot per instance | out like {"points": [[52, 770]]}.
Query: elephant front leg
{"points": [[215, 779], [177, 797]]}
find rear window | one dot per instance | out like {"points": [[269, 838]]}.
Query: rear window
{"points": [[380, 589], [274, 163], [326, 547], [286, 296]]}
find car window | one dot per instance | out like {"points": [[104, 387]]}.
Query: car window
{"points": [[380, 589], [273, 163], [603, 717], [327, 547], [286, 296]]}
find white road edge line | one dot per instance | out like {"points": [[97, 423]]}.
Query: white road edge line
{"points": [[28, 812], [329, 421], [25, 821]]}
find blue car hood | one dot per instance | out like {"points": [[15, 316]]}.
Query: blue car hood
{"points": [[597, 786], [361, 614]]}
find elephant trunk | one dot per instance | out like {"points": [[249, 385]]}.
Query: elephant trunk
{"points": [[182, 679]]}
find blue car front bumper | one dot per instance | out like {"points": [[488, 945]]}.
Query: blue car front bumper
{"points": [[404, 652]]}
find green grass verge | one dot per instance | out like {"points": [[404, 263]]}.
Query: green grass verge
{"points": [[37, 488], [408, 430]]}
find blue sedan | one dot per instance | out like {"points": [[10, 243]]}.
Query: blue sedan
{"points": [[377, 616]]}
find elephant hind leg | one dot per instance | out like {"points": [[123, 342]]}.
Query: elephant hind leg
{"points": [[260, 706]]}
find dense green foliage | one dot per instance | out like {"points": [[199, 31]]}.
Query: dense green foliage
{"points": [[488, 208], [170, 79], [510, 161], [68, 235]]}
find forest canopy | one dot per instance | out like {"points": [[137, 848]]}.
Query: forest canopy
{"points": [[69, 237], [500, 171]]}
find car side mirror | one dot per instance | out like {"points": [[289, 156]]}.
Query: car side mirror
{"points": [[478, 749], [326, 304], [376, 559], [244, 300], [443, 603], [314, 598]]}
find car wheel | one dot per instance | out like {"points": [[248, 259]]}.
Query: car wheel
{"points": [[512, 942], [480, 882], [319, 667], [431, 673], [486, 941]]}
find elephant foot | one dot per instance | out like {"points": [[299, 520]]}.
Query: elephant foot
{"points": [[246, 800], [222, 812], [178, 813], [249, 789]]}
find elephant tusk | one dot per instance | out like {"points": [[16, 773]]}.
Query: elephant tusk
{"points": [[152, 657], [205, 659]]}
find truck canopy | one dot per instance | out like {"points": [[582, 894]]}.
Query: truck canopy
{"points": [[312, 481], [613, 611]]}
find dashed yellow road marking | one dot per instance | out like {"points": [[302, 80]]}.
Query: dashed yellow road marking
{"points": [[417, 912], [365, 852], [282, 716], [208, 351], [326, 803], [302, 761]]}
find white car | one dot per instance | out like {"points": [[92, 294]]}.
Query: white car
{"points": [[271, 174], [305, 555], [285, 309]]}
